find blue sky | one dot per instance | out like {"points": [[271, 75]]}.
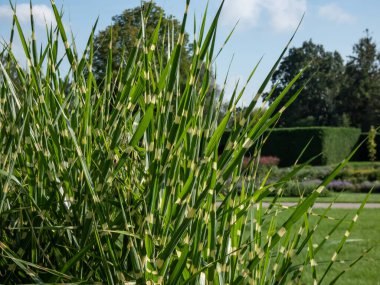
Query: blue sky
{"points": [[264, 28]]}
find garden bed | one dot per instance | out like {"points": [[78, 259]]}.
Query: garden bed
{"points": [[356, 177]]}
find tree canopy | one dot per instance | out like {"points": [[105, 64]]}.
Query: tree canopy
{"points": [[11, 69], [124, 30], [359, 98], [334, 93], [316, 105]]}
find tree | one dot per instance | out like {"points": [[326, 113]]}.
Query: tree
{"points": [[11, 70], [125, 29], [359, 98], [316, 104]]}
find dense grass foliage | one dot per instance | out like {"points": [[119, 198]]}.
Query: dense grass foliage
{"points": [[121, 183]]}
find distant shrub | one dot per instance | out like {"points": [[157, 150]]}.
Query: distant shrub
{"points": [[264, 161], [367, 186], [269, 160], [371, 144], [357, 175], [306, 173], [340, 185], [302, 189]]}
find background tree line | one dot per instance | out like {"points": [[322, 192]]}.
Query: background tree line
{"points": [[336, 93]]}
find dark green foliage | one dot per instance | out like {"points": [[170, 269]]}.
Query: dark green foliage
{"points": [[362, 153], [125, 29], [316, 105], [335, 94], [359, 98], [331, 144], [338, 143], [12, 68]]}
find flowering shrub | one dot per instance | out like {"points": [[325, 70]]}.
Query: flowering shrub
{"points": [[340, 185], [269, 160]]}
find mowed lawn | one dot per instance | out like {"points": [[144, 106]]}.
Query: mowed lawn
{"points": [[365, 234]]}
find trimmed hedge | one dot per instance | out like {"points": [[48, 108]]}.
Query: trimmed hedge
{"points": [[330, 143]]}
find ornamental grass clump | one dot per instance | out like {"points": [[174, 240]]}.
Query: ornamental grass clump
{"points": [[123, 183]]}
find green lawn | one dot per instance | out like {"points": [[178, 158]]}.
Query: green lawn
{"points": [[364, 235], [341, 198]]}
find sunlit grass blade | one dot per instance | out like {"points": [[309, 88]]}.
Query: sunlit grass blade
{"points": [[345, 237]]}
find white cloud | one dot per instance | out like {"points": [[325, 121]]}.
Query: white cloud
{"points": [[283, 14], [335, 13], [42, 14], [247, 12]]}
